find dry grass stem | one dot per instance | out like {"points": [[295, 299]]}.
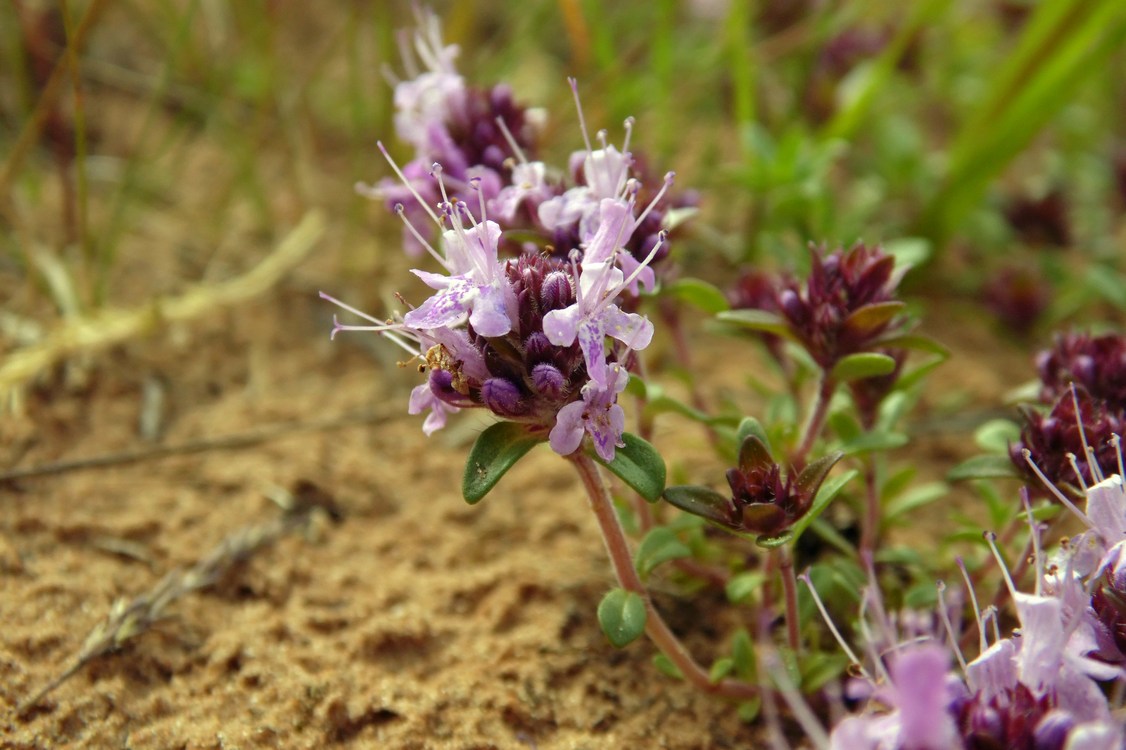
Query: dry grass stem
{"points": [[108, 327]]}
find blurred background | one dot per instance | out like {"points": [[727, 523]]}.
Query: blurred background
{"points": [[146, 145]]}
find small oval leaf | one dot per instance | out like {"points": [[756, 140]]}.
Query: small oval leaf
{"points": [[659, 545], [825, 494], [983, 467], [759, 320], [863, 365], [496, 450], [700, 501], [622, 615], [639, 465], [699, 294]]}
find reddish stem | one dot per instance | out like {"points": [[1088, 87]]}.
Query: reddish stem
{"points": [[655, 627], [816, 420]]}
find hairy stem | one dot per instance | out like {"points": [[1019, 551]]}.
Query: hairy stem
{"points": [[816, 420], [790, 594], [870, 528], [622, 561]]}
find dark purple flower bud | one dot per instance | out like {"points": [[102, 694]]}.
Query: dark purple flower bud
{"points": [[503, 397], [1018, 296], [556, 292], [1097, 363], [846, 306], [762, 500], [1108, 602], [548, 381], [441, 385], [538, 349], [1040, 221], [1051, 437]]}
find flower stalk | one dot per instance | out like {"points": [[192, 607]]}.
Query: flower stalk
{"points": [[622, 561]]}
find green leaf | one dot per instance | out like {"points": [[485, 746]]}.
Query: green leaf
{"points": [[665, 666], [871, 317], [875, 441], [496, 450], [720, 669], [699, 294], [622, 614], [995, 435], [909, 251], [749, 710], [914, 341], [751, 426], [743, 654], [827, 492], [915, 498], [742, 585], [863, 365], [770, 542], [983, 467], [845, 426], [759, 320], [700, 501], [818, 668], [659, 545], [639, 465]]}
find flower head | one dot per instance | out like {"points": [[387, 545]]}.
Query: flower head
{"points": [[846, 305], [763, 501], [1097, 364]]}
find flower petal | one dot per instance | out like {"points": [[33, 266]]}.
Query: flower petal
{"points": [[561, 326], [633, 330], [567, 433]]}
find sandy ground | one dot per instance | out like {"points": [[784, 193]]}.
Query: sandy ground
{"points": [[415, 622]]}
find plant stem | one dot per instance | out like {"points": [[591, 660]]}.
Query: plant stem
{"points": [[790, 593], [655, 627], [870, 529], [816, 420]]}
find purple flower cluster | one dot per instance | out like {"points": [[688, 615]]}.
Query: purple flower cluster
{"points": [[1043, 687], [486, 144], [540, 337], [1066, 430]]}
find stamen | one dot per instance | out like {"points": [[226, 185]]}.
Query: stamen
{"points": [[1034, 530], [512, 144], [436, 173], [628, 124], [418, 237], [405, 181], [475, 186], [573, 256], [582, 121], [661, 236], [351, 309], [983, 644], [942, 613], [670, 177], [990, 616], [1059, 495], [1075, 468], [1095, 471], [991, 540], [804, 577], [801, 711], [1116, 441]]}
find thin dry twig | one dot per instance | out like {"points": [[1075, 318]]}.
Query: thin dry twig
{"points": [[129, 618], [108, 327], [226, 442]]}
